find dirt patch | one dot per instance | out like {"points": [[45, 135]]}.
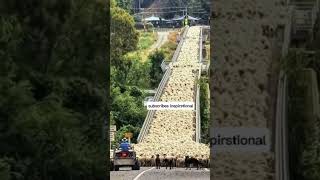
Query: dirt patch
{"points": [[173, 36]]}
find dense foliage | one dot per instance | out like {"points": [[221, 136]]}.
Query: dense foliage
{"points": [[303, 121], [128, 128], [124, 37], [146, 40], [156, 73], [130, 76], [126, 5], [52, 89], [298, 59], [304, 125], [204, 109]]}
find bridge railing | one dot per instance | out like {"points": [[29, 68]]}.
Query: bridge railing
{"points": [[198, 120], [150, 114], [148, 120], [281, 140], [182, 38], [198, 117], [164, 66], [287, 32]]}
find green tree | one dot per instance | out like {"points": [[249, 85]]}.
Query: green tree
{"points": [[125, 4], [4, 170], [52, 89], [204, 109], [156, 72], [127, 108], [138, 75], [128, 128], [124, 37]]}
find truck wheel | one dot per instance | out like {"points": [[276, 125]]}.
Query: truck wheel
{"points": [[111, 167], [136, 167], [116, 168]]}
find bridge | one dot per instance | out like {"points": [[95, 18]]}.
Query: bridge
{"points": [[173, 130]]}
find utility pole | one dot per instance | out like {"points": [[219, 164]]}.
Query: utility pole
{"points": [[139, 5], [187, 11]]}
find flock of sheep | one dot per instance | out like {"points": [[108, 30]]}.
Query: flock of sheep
{"points": [[242, 79], [172, 132]]}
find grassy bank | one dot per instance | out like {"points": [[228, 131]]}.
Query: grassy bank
{"points": [[170, 47], [204, 108], [146, 40]]}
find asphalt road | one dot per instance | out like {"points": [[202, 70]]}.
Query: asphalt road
{"points": [[148, 173]]}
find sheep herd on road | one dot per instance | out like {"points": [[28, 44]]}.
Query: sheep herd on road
{"points": [[170, 161], [173, 131]]}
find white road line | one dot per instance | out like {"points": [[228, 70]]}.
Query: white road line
{"points": [[206, 169], [136, 178]]}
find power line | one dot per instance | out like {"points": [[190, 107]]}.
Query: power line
{"points": [[158, 12], [185, 9], [177, 11], [167, 7], [163, 8], [164, 12]]}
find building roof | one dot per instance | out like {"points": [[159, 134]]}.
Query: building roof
{"points": [[155, 18], [189, 17], [152, 18]]}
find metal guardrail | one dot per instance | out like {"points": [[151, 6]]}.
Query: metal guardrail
{"points": [[148, 120], [176, 53], [281, 136], [287, 33], [162, 84], [282, 155], [281, 131], [163, 66], [151, 113], [198, 117]]}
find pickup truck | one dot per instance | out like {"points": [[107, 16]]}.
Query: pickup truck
{"points": [[125, 158]]}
